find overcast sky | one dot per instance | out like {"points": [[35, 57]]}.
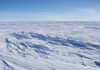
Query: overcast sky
{"points": [[49, 10]]}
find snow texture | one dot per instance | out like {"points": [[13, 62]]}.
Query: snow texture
{"points": [[49, 45]]}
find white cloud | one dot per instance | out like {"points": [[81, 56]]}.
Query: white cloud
{"points": [[84, 14], [81, 14], [37, 16], [90, 11]]}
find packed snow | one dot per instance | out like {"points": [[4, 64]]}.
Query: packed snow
{"points": [[49, 45]]}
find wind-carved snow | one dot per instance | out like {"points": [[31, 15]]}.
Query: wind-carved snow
{"points": [[49, 46]]}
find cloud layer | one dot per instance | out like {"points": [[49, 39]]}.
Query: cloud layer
{"points": [[80, 14]]}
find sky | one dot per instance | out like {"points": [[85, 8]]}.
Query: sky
{"points": [[49, 10]]}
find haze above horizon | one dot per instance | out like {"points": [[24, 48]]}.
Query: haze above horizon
{"points": [[49, 10]]}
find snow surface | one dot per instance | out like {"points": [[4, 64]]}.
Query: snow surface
{"points": [[49, 45]]}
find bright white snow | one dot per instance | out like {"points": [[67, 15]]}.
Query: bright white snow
{"points": [[49, 45]]}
